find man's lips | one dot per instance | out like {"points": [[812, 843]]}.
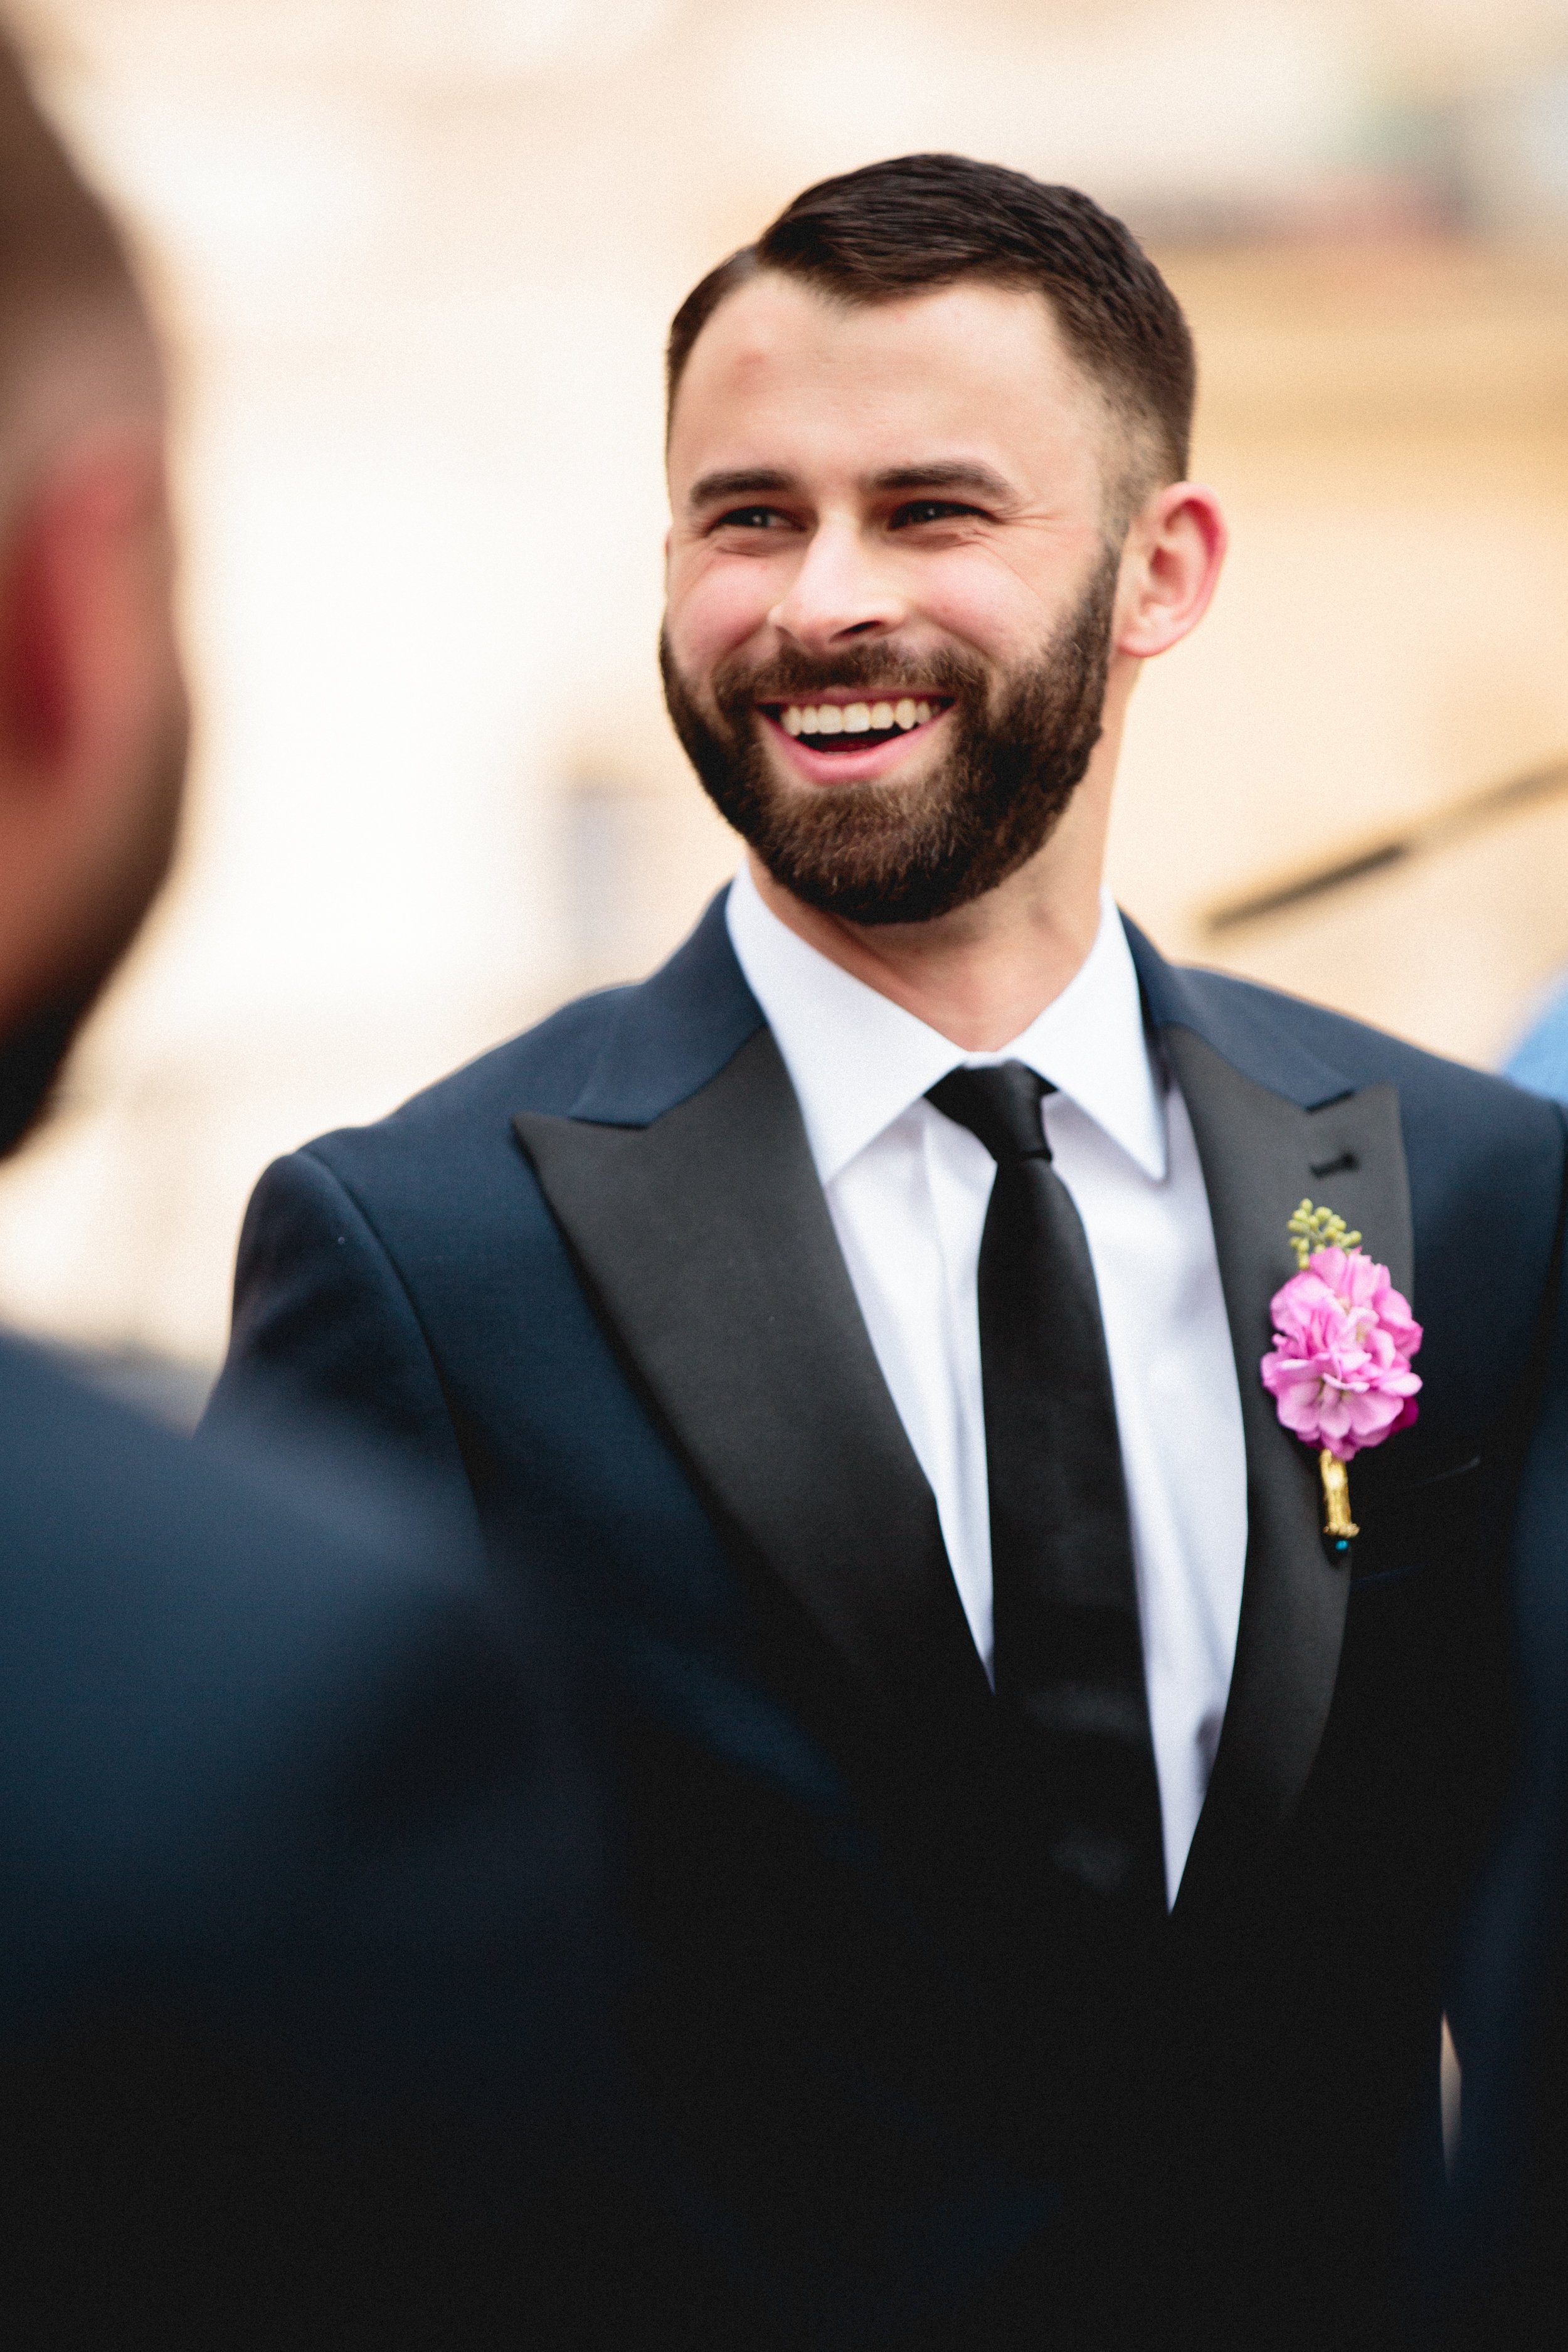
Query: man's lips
{"points": [[842, 737]]}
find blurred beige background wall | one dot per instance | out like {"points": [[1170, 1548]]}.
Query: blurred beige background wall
{"points": [[416, 257]]}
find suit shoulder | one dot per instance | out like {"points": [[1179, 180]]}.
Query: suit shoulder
{"points": [[472, 1108], [624, 1054], [1370, 1056], [441, 1181], [541, 1068]]}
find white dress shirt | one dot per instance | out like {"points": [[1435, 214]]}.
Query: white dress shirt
{"points": [[908, 1192]]}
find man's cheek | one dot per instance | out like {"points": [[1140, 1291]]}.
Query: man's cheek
{"points": [[721, 614], [976, 597]]}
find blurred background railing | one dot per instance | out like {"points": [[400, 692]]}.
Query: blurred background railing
{"points": [[416, 257]]}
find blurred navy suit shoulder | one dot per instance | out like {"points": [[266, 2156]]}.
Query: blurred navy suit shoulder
{"points": [[595, 1270], [299, 1867]]}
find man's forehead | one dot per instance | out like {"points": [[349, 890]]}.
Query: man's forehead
{"points": [[950, 370]]}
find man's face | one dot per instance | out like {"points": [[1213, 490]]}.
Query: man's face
{"points": [[890, 596]]}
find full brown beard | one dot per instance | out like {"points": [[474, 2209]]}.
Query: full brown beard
{"points": [[906, 853]]}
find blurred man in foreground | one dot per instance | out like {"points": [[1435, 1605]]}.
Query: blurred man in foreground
{"points": [[293, 1958]]}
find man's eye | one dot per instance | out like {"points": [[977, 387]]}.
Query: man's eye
{"points": [[751, 519], [921, 510]]}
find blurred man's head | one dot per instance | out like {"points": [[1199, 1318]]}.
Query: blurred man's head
{"points": [[927, 439], [92, 710]]}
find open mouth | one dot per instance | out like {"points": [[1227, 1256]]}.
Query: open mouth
{"points": [[840, 727]]}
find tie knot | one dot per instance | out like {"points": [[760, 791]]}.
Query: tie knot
{"points": [[1000, 1105]]}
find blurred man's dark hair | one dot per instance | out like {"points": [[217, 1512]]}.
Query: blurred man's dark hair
{"points": [[59, 244], [921, 221]]}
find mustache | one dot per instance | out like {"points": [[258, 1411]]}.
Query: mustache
{"points": [[795, 676]]}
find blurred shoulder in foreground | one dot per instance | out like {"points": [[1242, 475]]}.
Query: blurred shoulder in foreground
{"points": [[296, 1972]]}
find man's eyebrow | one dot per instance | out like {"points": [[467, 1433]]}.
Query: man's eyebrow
{"points": [[938, 474], [746, 482], [947, 474]]}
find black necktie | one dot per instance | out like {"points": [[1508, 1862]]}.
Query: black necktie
{"points": [[1068, 1654]]}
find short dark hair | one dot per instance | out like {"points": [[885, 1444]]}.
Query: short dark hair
{"points": [[925, 221], [59, 249]]}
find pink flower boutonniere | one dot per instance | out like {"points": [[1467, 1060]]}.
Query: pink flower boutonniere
{"points": [[1339, 1371]]}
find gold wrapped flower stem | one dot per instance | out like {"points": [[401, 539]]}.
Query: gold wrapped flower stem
{"points": [[1338, 1525]]}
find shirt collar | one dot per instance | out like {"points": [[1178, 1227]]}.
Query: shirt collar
{"points": [[857, 1061]]}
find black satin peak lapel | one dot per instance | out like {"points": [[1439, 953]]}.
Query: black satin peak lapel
{"points": [[706, 1239], [1261, 1154]]}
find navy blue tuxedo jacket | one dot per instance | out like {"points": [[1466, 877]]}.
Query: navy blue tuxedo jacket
{"points": [[596, 1268], [298, 1858]]}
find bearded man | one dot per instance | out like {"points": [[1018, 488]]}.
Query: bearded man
{"points": [[885, 1282]]}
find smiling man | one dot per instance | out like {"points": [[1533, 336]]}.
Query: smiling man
{"points": [[1045, 1837]]}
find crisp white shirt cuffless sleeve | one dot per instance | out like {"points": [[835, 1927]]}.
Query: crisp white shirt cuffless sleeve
{"points": [[908, 1191]]}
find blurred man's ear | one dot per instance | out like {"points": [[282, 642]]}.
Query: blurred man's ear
{"points": [[92, 712]]}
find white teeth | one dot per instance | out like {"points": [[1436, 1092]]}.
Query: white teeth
{"points": [[854, 718]]}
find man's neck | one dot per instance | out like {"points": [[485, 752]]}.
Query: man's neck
{"points": [[983, 973]]}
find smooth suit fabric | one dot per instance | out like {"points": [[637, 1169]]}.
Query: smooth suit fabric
{"points": [[596, 1268], [1499, 2239], [298, 1931]]}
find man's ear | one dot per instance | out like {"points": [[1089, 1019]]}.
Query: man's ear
{"points": [[84, 627], [1170, 569], [34, 689], [88, 677]]}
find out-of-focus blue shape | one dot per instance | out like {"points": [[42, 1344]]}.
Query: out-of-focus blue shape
{"points": [[1540, 1061]]}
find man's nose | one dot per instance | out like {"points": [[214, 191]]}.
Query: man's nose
{"points": [[843, 588]]}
